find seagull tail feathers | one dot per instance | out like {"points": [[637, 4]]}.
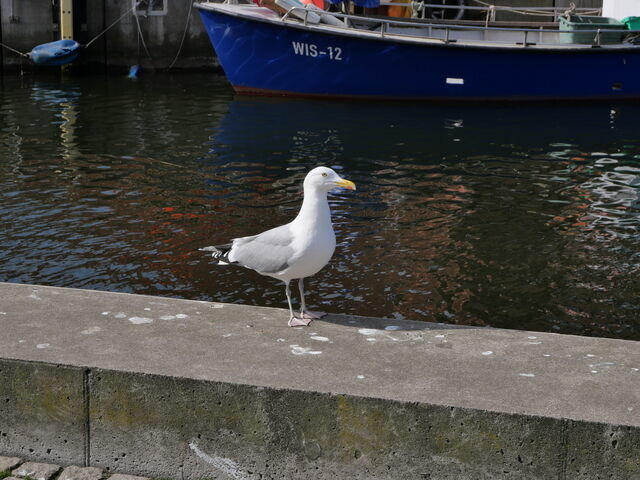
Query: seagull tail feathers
{"points": [[220, 253]]}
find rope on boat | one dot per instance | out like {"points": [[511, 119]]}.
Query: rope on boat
{"points": [[530, 11], [570, 10]]}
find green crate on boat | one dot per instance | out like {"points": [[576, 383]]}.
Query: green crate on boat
{"points": [[632, 23], [571, 29]]}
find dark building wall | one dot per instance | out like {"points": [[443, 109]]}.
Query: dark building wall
{"points": [[27, 23], [162, 34]]}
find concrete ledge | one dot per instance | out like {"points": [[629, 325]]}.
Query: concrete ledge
{"points": [[169, 388]]}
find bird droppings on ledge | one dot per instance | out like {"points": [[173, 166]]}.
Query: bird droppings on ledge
{"points": [[298, 350], [140, 320], [368, 331], [602, 364], [319, 338], [91, 330]]}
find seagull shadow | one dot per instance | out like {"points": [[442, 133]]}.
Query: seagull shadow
{"points": [[388, 324]]}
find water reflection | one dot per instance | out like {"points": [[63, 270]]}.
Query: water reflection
{"points": [[519, 216]]}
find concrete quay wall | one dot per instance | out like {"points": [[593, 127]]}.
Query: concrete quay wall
{"points": [[185, 389]]}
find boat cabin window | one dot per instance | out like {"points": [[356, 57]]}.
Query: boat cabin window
{"points": [[151, 7]]}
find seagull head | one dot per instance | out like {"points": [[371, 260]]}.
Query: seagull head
{"points": [[324, 179]]}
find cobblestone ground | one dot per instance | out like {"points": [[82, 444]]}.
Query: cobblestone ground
{"points": [[14, 468]]}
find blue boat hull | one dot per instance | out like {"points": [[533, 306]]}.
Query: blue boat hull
{"points": [[281, 58]]}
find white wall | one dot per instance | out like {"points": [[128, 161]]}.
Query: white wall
{"points": [[620, 9]]}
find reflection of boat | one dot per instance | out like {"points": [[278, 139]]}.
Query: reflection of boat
{"points": [[307, 128], [382, 57]]}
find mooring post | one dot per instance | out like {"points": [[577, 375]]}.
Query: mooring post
{"points": [[66, 19], [66, 22]]}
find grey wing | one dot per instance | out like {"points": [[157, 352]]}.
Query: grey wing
{"points": [[268, 252]]}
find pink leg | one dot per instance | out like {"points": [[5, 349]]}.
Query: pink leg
{"points": [[304, 313], [298, 322], [293, 320]]}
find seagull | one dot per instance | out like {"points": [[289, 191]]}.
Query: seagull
{"points": [[299, 249]]}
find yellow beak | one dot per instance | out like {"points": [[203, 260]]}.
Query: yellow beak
{"points": [[348, 184]]}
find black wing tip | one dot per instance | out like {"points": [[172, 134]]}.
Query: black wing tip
{"points": [[219, 253]]}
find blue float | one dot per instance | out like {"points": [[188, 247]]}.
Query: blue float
{"points": [[61, 52], [134, 71]]}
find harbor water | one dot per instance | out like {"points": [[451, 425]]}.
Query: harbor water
{"points": [[522, 216]]}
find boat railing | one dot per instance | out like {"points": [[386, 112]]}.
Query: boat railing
{"points": [[425, 29], [491, 10]]}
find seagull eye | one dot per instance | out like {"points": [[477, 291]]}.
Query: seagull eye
{"points": [[324, 174]]}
